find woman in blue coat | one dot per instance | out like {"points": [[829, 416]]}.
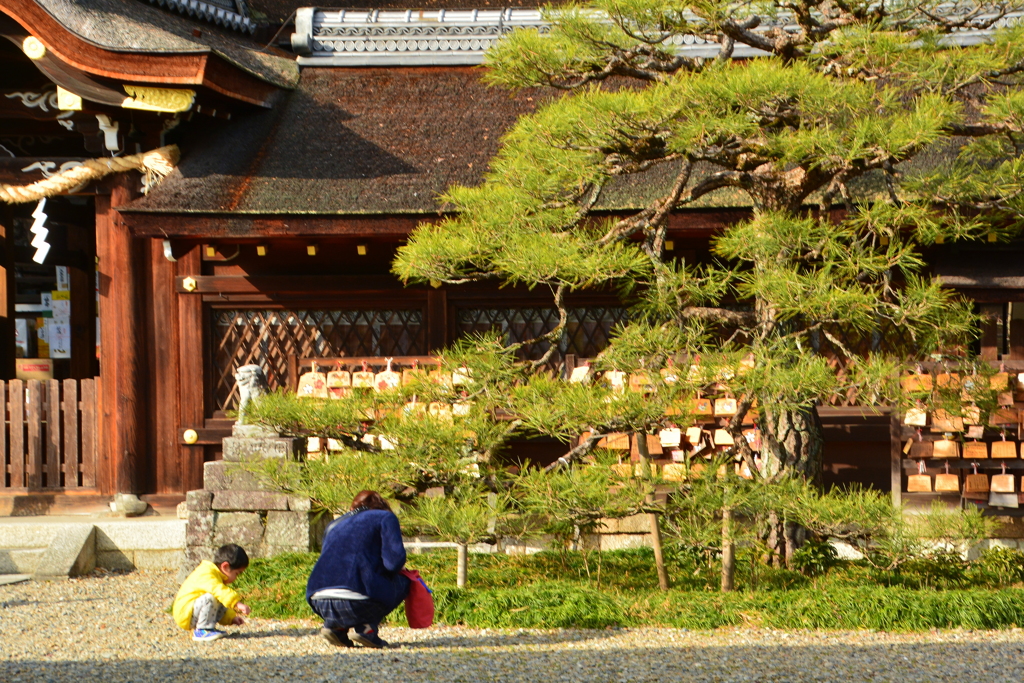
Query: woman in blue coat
{"points": [[356, 582]]}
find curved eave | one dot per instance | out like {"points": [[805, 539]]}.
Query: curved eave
{"points": [[199, 68]]}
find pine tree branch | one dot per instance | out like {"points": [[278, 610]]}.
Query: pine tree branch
{"points": [[717, 315], [580, 451]]}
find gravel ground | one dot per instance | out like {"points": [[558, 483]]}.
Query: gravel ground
{"points": [[111, 627]]}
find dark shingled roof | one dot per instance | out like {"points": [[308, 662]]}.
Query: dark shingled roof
{"points": [[134, 26], [347, 141]]}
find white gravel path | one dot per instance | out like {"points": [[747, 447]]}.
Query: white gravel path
{"points": [[113, 628]]}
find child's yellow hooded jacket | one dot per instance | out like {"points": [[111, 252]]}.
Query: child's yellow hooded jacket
{"points": [[206, 578]]}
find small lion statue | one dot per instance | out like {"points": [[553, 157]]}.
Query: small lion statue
{"points": [[252, 384]]}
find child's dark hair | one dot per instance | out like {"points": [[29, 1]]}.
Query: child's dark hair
{"points": [[234, 555]]}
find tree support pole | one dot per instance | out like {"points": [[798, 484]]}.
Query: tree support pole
{"points": [[645, 468], [462, 567]]}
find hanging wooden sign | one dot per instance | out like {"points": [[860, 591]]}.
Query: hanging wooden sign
{"points": [[975, 450], [915, 417], [920, 482]]}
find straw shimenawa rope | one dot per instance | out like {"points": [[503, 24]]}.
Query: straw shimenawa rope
{"points": [[155, 164]]}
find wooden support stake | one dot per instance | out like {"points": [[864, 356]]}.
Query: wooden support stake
{"points": [[51, 405], [16, 399], [34, 432], [90, 431], [69, 410]]}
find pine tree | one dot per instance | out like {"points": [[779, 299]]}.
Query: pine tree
{"points": [[858, 132]]}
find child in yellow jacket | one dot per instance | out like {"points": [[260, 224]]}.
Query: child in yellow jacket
{"points": [[204, 601]]}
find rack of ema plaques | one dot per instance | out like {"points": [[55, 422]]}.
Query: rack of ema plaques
{"points": [[683, 448], [965, 454]]}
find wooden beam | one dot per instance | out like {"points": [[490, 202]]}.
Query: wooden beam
{"points": [[241, 227], [309, 285], [121, 265]]}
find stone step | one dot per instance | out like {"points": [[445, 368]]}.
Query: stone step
{"points": [[20, 560], [23, 534]]}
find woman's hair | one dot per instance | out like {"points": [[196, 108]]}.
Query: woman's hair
{"points": [[370, 500]]}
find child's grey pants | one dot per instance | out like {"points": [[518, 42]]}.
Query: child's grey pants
{"points": [[207, 612]]}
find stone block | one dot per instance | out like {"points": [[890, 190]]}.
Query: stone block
{"points": [[157, 533], [198, 500], [237, 449], [115, 559], [299, 504], [249, 501], [253, 431], [221, 475], [243, 528], [71, 553], [637, 524], [293, 529], [157, 560], [199, 529]]}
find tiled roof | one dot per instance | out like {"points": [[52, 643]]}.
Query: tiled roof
{"points": [[233, 14], [395, 37], [136, 27], [347, 141]]}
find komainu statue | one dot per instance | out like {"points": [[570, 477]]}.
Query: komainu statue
{"points": [[252, 383]]}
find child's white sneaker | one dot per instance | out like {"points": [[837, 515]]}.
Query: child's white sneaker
{"points": [[202, 634]]}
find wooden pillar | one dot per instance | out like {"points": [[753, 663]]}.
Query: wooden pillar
{"points": [[191, 382], [1016, 323], [990, 342], [121, 263], [437, 320], [83, 306], [7, 291], [163, 358]]}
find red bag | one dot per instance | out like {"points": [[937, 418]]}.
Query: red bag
{"points": [[419, 604]]}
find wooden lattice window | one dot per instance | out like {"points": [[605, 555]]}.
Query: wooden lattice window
{"points": [[587, 333], [268, 337]]}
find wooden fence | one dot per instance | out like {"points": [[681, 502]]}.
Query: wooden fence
{"points": [[48, 434]]}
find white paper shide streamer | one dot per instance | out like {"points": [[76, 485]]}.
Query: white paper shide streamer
{"points": [[37, 229]]}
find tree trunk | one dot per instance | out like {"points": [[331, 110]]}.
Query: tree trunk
{"points": [[462, 567], [645, 469], [728, 551], [793, 442]]}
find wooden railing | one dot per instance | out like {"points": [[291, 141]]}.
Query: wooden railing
{"points": [[49, 434]]}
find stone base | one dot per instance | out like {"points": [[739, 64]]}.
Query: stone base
{"points": [[241, 448], [264, 523]]}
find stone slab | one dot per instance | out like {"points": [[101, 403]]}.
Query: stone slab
{"points": [[115, 559], [237, 449], [157, 560], [198, 500], [253, 431], [71, 553], [158, 533], [299, 504], [243, 528], [248, 501], [20, 560], [221, 475], [23, 534]]}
